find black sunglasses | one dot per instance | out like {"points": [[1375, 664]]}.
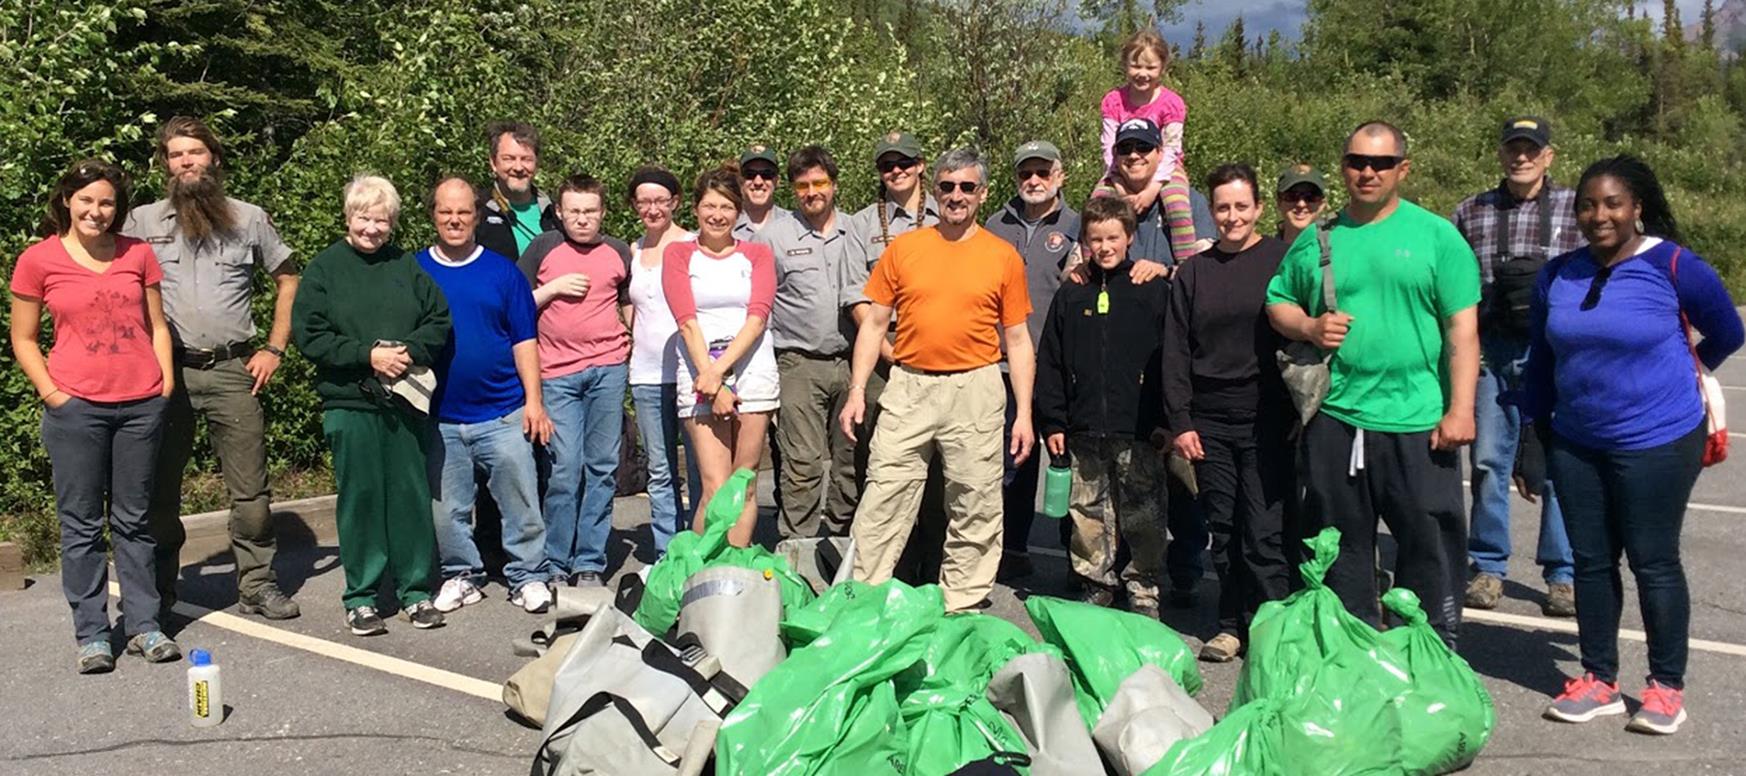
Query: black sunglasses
{"points": [[968, 187], [1134, 147], [893, 165], [1357, 162], [1595, 286], [763, 173], [1025, 175], [1301, 196]]}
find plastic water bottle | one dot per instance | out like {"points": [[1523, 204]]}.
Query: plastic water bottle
{"points": [[1057, 487], [205, 693]]}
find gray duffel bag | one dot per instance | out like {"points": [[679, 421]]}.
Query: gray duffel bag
{"points": [[1035, 692], [735, 615], [1148, 714]]}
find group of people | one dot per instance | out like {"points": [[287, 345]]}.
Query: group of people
{"points": [[908, 360]]}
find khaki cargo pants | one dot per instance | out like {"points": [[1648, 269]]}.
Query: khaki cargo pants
{"points": [[961, 416]]}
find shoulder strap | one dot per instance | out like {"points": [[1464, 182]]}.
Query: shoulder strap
{"points": [[1546, 218], [1327, 265]]}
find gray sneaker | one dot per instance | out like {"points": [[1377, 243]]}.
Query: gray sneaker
{"points": [[1484, 591], [1662, 713], [1560, 600], [423, 615], [95, 657], [364, 621], [155, 647], [1585, 698], [270, 603]]}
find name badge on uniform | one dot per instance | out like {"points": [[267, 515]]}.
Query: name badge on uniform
{"points": [[798, 252], [493, 219], [160, 239], [879, 239]]}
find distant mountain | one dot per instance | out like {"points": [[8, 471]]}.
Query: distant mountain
{"points": [[1730, 27]]}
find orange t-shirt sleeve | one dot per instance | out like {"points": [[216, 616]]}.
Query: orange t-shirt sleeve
{"points": [[881, 284], [1015, 293]]}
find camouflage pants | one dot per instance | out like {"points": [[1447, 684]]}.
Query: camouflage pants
{"points": [[1118, 492]]}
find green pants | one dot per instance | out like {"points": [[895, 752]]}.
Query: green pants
{"points": [[384, 503], [814, 450], [239, 439]]}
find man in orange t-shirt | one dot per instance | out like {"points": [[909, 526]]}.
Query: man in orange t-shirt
{"points": [[955, 288]]}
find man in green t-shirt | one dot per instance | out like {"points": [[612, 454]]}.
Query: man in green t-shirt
{"points": [[1405, 343]]}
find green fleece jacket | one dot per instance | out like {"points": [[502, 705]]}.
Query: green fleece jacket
{"points": [[349, 300]]}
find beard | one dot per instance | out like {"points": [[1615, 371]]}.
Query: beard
{"points": [[201, 208], [1038, 197]]}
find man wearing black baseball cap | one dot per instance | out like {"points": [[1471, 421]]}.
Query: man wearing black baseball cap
{"points": [[1514, 228]]}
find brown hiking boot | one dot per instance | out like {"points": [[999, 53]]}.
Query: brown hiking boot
{"points": [[1560, 600], [1484, 591], [1222, 649]]}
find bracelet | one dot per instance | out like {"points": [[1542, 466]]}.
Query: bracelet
{"points": [[50, 394], [280, 352], [861, 388]]}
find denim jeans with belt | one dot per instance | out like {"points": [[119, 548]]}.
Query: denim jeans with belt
{"points": [[499, 449], [587, 411], [1498, 431]]}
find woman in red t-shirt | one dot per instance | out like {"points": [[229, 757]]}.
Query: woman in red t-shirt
{"points": [[104, 386]]}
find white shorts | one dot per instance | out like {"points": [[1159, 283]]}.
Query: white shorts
{"points": [[754, 381]]}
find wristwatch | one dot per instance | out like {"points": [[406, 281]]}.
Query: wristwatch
{"points": [[280, 352]]}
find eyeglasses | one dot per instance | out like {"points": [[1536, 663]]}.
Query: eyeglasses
{"points": [[1595, 286], [893, 165], [651, 204], [1357, 162], [1134, 147], [807, 187], [765, 173], [968, 187], [1025, 175]]}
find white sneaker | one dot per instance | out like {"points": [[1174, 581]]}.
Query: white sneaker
{"points": [[533, 597], [456, 593]]}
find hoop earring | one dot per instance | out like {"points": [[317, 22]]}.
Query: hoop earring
{"points": [[1639, 226]]}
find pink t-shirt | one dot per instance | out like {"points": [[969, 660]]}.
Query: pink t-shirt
{"points": [[103, 339], [579, 333], [1168, 111]]}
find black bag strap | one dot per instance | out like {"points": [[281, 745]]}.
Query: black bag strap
{"points": [[657, 656], [728, 686], [1327, 265], [1543, 201], [543, 764]]}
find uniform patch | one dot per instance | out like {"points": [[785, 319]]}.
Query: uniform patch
{"points": [[160, 239], [494, 219], [1054, 241], [797, 252]]}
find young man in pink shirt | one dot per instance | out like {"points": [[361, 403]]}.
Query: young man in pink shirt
{"points": [[581, 282]]}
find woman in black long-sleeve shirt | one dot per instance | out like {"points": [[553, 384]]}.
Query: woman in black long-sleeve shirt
{"points": [[1227, 408]]}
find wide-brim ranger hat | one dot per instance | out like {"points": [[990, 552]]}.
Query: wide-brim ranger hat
{"points": [[758, 152], [899, 143], [1531, 128], [1299, 174], [1141, 130]]}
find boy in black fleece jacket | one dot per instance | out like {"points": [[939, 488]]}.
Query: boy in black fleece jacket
{"points": [[1098, 396]]}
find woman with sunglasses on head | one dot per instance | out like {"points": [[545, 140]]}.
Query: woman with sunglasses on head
{"points": [[104, 387], [1612, 389], [654, 360], [720, 290]]}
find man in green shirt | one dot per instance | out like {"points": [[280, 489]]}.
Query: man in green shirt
{"points": [[512, 210], [1405, 365]]}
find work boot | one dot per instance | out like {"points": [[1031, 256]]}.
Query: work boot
{"points": [[1485, 591], [269, 602], [1222, 649], [1096, 594], [1014, 565], [95, 657], [1560, 600]]}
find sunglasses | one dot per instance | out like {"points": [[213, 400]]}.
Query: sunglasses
{"points": [[893, 165], [1025, 175], [1595, 286], [968, 187], [807, 187], [762, 173], [1357, 162], [1303, 197], [1134, 147]]}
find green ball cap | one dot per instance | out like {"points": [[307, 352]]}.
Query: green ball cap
{"points": [[758, 152], [1036, 149], [897, 142], [1300, 173]]}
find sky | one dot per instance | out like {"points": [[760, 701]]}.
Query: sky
{"points": [[1260, 16]]}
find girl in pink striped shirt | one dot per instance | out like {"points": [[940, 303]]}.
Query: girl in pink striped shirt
{"points": [[1144, 59]]}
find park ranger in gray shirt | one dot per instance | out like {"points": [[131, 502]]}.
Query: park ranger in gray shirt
{"points": [[210, 246], [812, 331]]}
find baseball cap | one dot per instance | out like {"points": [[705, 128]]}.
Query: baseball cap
{"points": [[897, 142], [1142, 130], [1532, 128], [757, 152], [1036, 149], [1300, 173]]}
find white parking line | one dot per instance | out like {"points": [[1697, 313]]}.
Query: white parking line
{"points": [[1697, 505], [418, 672]]}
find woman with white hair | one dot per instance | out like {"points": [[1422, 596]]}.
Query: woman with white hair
{"points": [[365, 314]]}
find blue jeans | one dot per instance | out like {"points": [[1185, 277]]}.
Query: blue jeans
{"points": [[1630, 503], [587, 410], [1498, 431], [498, 448], [658, 427]]}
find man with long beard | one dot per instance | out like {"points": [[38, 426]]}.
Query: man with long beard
{"points": [[209, 246]]}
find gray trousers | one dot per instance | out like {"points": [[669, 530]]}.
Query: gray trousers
{"points": [[102, 457], [239, 439], [813, 447]]}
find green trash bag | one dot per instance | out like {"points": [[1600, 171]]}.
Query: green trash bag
{"points": [[1288, 639], [1105, 646], [690, 552], [943, 695], [1447, 711], [1343, 720], [832, 706]]}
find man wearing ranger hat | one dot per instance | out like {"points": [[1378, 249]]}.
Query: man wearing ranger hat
{"points": [[1045, 231], [1514, 228]]}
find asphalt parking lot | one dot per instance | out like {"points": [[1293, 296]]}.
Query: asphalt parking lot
{"points": [[304, 696]]}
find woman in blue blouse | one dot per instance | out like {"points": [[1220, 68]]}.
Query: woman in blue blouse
{"points": [[1611, 378]]}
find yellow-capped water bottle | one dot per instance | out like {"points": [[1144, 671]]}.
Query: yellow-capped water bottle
{"points": [[1057, 487]]}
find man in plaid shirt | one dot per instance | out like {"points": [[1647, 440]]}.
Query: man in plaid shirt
{"points": [[1514, 229]]}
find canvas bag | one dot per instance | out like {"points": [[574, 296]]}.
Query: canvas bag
{"points": [[1715, 404], [1149, 714], [735, 615], [1035, 693], [1302, 365]]}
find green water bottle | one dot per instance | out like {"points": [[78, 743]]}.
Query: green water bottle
{"points": [[1057, 486]]}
